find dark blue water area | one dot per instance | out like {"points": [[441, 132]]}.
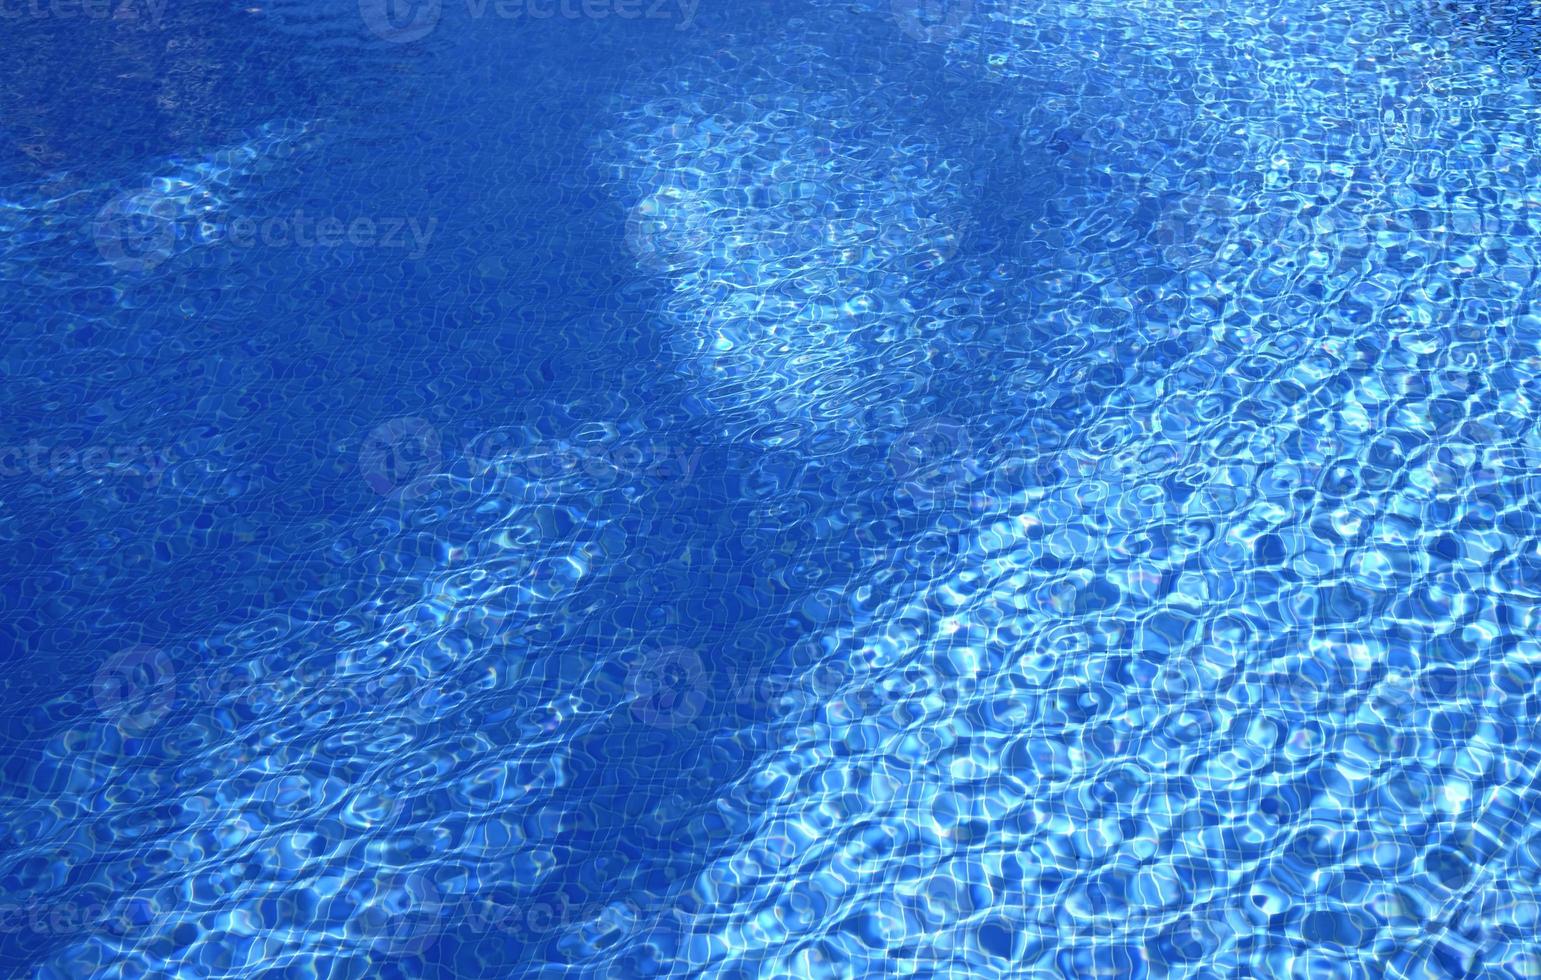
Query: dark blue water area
{"points": [[793, 489]]}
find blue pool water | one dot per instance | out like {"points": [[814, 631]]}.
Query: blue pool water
{"points": [[825, 489]]}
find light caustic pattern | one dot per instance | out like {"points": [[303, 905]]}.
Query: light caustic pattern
{"points": [[1245, 681], [184, 203], [330, 788], [1225, 664], [789, 225]]}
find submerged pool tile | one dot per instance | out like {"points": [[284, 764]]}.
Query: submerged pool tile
{"points": [[846, 489]]}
